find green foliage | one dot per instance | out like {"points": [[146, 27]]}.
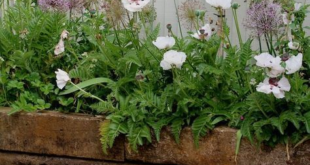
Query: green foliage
{"points": [[104, 139], [121, 71], [200, 127]]}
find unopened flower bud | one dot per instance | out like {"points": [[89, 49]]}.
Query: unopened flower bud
{"points": [[227, 45], [235, 5], [197, 13], [92, 12], [169, 27]]}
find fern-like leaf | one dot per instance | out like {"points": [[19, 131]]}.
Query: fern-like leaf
{"points": [[307, 121], [176, 128], [246, 128], [104, 133], [200, 127], [245, 53]]}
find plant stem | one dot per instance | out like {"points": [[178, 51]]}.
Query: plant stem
{"points": [[271, 45], [267, 43], [177, 12], [135, 22], [143, 24], [234, 11], [288, 151], [87, 93], [220, 32], [260, 44]]}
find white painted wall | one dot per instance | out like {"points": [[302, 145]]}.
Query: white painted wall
{"points": [[166, 13]]}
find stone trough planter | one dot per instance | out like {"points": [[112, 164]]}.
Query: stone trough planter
{"points": [[56, 138]]}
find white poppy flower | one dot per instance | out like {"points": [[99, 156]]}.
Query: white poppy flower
{"points": [[164, 42], [293, 45], [60, 47], [173, 58], [134, 5], [64, 34], [275, 69], [62, 78], [297, 6], [293, 64], [272, 85], [265, 60], [204, 33], [224, 4]]}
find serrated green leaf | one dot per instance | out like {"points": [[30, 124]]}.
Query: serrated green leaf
{"points": [[176, 128], [200, 127], [277, 123], [307, 121]]}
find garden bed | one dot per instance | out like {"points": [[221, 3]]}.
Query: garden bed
{"points": [[51, 137]]}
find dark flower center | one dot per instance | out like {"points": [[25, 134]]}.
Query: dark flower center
{"points": [[273, 81], [285, 57]]}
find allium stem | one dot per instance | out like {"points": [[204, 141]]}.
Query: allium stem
{"points": [[267, 43], [177, 12], [220, 32], [260, 44], [234, 11]]}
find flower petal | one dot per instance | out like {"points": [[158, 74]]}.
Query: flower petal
{"points": [[60, 47], [294, 64], [264, 60], [173, 57], [279, 95], [164, 42], [61, 84], [165, 65], [264, 87], [225, 4], [297, 6], [135, 6], [284, 84], [62, 78]]}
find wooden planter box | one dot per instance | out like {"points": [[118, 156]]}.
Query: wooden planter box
{"points": [[56, 138]]}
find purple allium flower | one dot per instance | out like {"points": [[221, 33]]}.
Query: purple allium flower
{"points": [[75, 4], [263, 18], [58, 5]]}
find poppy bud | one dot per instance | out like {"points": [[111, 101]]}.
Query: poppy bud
{"points": [[169, 27]]}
